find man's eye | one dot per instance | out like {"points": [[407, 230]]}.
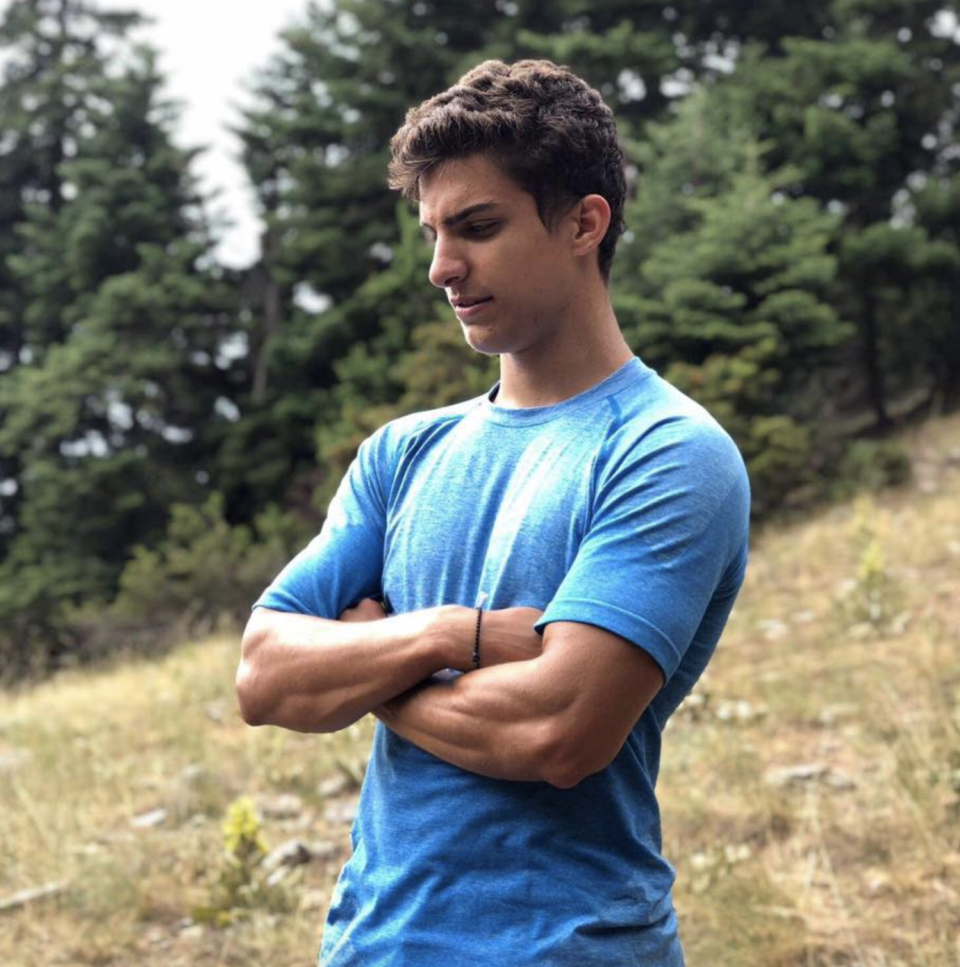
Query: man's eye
{"points": [[479, 229]]}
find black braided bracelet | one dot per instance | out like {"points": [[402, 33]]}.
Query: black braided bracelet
{"points": [[476, 639]]}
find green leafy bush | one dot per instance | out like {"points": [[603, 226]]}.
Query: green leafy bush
{"points": [[240, 885], [873, 465], [205, 570]]}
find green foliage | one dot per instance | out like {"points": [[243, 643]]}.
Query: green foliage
{"points": [[860, 114], [873, 597], [240, 886], [242, 836], [792, 260], [111, 410], [872, 465], [730, 295], [203, 569]]}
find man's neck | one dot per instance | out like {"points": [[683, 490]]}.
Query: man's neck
{"points": [[582, 354]]}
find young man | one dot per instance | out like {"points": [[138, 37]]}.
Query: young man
{"points": [[556, 559]]}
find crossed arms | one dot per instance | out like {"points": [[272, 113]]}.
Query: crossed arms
{"points": [[557, 709]]}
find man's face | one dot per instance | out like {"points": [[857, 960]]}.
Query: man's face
{"points": [[507, 276]]}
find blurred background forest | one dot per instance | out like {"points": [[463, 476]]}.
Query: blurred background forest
{"points": [[172, 428]]}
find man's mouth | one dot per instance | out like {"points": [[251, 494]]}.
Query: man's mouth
{"points": [[469, 309], [464, 303]]}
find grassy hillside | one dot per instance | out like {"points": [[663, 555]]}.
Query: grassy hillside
{"points": [[811, 785]]}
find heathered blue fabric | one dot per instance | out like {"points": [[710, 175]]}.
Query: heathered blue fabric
{"points": [[624, 507]]}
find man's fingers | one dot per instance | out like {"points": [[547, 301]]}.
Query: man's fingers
{"points": [[366, 610]]}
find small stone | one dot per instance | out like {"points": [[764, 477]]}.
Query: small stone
{"points": [[773, 629], [294, 852], [831, 714], [156, 937], [803, 772], [285, 806], [313, 899], [343, 811], [738, 710], [701, 884], [839, 780], [702, 861], [297, 824], [736, 853], [14, 759], [192, 774], [216, 712], [877, 882], [900, 622], [148, 820], [323, 850], [277, 876], [87, 849], [334, 785]]}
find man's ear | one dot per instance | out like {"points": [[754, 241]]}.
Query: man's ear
{"points": [[591, 219]]}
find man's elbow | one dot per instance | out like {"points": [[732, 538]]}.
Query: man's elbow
{"points": [[569, 758], [570, 772], [252, 702]]}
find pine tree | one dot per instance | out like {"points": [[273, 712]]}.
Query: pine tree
{"points": [[52, 58], [861, 114], [724, 285], [937, 306], [838, 98], [115, 407]]}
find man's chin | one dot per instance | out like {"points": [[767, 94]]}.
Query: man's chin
{"points": [[481, 339]]}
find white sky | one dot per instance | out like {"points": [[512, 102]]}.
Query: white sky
{"points": [[209, 49], [209, 52]]}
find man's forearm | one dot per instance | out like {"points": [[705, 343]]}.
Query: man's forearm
{"points": [[494, 722], [557, 718], [317, 675]]}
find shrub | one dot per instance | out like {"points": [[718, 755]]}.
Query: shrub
{"points": [[205, 570], [873, 465]]}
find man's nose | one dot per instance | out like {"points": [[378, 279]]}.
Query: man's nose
{"points": [[448, 266]]}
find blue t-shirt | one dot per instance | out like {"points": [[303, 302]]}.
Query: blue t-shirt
{"points": [[624, 507]]}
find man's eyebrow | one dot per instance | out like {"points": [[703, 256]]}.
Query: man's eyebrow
{"points": [[464, 213]]}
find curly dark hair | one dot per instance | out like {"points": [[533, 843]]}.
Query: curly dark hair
{"points": [[544, 126]]}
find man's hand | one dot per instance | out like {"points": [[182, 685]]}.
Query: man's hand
{"points": [[367, 610]]}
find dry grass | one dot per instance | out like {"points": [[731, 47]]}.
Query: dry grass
{"points": [[859, 862], [107, 747], [853, 861]]}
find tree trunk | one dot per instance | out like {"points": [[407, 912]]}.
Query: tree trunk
{"points": [[271, 303], [870, 341]]}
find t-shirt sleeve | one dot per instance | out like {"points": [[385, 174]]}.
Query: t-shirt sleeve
{"points": [[667, 533], [344, 562]]}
